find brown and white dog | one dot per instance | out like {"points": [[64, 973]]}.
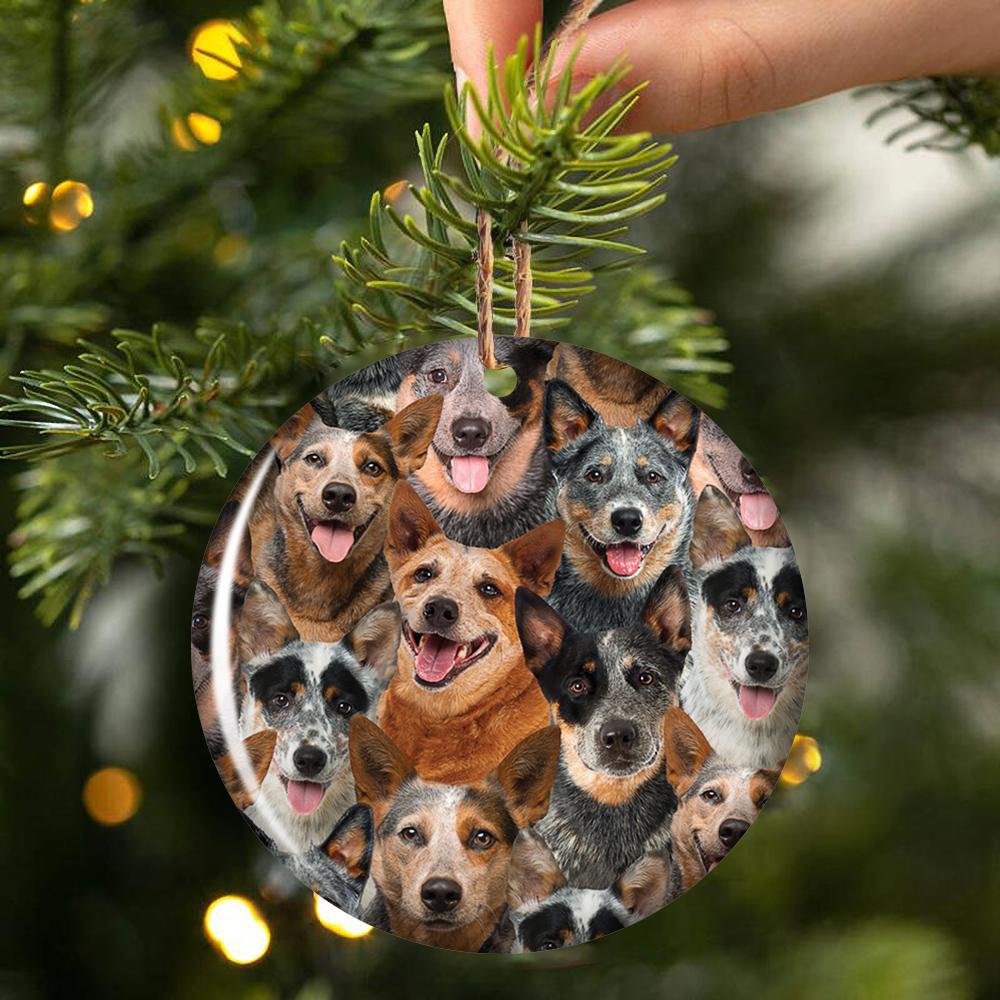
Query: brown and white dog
{"points": [[318, 544], [462, 695], [442, 851], [716, 800]]}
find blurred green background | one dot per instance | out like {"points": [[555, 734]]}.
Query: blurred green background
{"points": [[859, 286]]}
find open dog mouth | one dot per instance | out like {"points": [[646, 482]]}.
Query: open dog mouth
{"points": [[471, 473], [755, 702], [437, 661], [304, 796], [708, 860], [757, 509], [624, 559], [333, 540]]}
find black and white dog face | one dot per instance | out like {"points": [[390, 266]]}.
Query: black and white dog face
{"points": [[623, 491], [750, 634], [610, 690], [308, 692], [337, 869], [545, 914]]}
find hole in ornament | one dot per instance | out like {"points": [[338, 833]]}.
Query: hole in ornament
{"points": [[501, 381]]}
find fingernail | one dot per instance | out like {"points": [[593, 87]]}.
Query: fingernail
{"points": [[472, 122]]}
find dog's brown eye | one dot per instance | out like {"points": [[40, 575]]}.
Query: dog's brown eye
{"points": [[439, 375], [409, 834], [344, 708], [423, 574], [653, 477], [483, 839], [578, 686], [594, 476], [733, 606], [796, 614], [548, 945], [489, 590], [314, 458], [199, 622], [372, 468], [278, 702], [646, 678], [711, 795]]}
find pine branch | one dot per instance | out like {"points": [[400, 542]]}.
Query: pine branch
{"points": [[548, 178], [947, 113]]}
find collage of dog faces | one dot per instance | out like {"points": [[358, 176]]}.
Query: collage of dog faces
{"points": [[500, 673]]}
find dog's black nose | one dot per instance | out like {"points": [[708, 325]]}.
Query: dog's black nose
{"points": [[440, 612], [339, 497], [749, 474], [627, 521], [440, 895], [617, 734], [731, 831], [471, 432], [309, 760], [761, 666]]}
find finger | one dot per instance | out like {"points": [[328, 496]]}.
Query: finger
{"points": [[474, 24], [712, 61]]}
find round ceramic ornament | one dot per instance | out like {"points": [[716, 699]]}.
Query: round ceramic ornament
{"points": [[500, 668]]}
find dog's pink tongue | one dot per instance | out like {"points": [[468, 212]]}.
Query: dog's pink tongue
{"points": [[304, 796], [470, 473], [756, 702], [334, 541], [436, 658], [625, 558], [757, 511]]}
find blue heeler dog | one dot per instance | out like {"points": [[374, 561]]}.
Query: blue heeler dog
{"points": [[609, 693], [626, 500]]}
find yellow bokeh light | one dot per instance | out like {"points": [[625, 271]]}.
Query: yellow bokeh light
{"points": [[336, 920], [804, 758], [206, 129], [34, 193], [71, 204], [213, 49], [231, 250], [112, 796], [234, 925], [396, 190]]}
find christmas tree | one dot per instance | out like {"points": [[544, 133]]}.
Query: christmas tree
{"points": [[190, 246]]}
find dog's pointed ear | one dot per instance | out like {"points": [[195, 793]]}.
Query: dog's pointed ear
{"points": [[644, 885], [535, 555], [685, 748], [411, 431], [533, 874], [541, 629], [762, 784], [288, 435], [718, 531], [676, 419], [379, 766], [526, 775], [374, 641], [668, 610], [264, 625], [259, 748], [216, 548], [567, 415], [411, 524], [350, 845]]}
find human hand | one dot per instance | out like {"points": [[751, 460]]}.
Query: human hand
{"points": [[713, 61]]}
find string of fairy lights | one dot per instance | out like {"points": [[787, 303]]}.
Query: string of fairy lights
{"points": [[234, 924]]}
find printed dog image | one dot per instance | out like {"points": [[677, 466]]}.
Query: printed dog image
{"points": [[259, 749], [717, 800], [442, 851], [323, 555], [462, 695], [620, 393], [719, 463], [486, 478], [626, 500], [746, 678], [609, 693], [201, 622], [544, 913], [337, 869], [308, 693]]}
